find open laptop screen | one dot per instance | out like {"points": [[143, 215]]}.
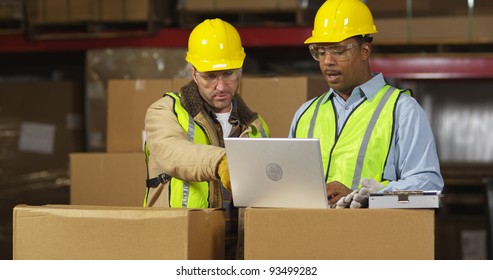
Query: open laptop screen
{"points": [[276, 172]]}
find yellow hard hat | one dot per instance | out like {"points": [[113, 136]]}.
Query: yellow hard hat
{"points": [[215, 45], [337, 20]]}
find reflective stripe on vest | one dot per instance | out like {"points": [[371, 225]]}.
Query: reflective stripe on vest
{"points": [[185, 194], [361, 149]]}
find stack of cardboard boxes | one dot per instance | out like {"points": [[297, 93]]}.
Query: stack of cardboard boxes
{"points": [[239, 5], [66, 11], [106, 219], [40, 124], [253, 12], [117, 177]]}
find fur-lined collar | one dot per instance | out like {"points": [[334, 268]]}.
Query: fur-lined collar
{"points": [[193, 103]]}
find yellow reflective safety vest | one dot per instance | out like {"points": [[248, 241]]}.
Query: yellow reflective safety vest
{"points": [[361, 149], [186, 194]]}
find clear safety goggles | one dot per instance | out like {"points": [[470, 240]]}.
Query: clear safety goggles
{"points": [[339, 53], [211, 79]]}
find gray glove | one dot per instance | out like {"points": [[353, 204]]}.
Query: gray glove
{"points": [[359, 198], [345, 201]]}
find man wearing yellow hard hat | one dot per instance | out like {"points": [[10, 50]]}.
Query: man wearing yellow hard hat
{"points": [[186, 160], [374, 137]]}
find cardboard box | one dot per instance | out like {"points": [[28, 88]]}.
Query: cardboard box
{"points": [[102, 66], [257, 5], [108, 179], [342, 234], [124, 11], [392, 8], [11, 10], [434, 30], [67, 11], [239, 5], [60, 11], [68, 232], [277, 99], [128, 101], [396, 9], [42, 124]]}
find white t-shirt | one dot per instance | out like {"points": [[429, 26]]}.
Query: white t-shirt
{"points": [[223, 119]]}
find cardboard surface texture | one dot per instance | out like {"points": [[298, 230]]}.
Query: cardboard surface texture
{"points": [[68, 232], [433, 30], [108, 179], [276, 99], [63, 11], [128, 10], [128, 101], [42, 124], [240, 5], [342, 234]]}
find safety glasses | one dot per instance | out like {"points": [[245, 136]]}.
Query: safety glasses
{"points": [[339, 53], [211, 79]]}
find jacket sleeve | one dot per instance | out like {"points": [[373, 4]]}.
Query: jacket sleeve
{"points": [[170, 150]]}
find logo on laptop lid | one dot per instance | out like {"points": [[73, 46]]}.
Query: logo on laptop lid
{"points": [[274, 171]]}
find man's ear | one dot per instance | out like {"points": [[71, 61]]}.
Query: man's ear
{"points": [[193, 74], [365, 50]]}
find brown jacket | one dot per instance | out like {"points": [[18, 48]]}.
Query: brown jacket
{"points": [[172, 153]]}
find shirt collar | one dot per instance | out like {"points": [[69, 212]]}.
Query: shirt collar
{"points": [[368, 89]]}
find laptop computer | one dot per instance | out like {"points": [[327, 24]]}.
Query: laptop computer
{"points": [[276, 172]]}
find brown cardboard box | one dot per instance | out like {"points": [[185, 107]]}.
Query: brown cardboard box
{"points": [[42, 124], [109, 179], [11, 10], [179, 82], [69, 232], [60, 11], [123, 63], [239, 5], [434, 30], [124, 11], [128, 101], [344, 234], [392, 8], [67, 11], [197, 5], [256, 5], [396, 9], [277, 99]]}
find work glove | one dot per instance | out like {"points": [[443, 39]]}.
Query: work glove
{"points": [[223, 172], [359, 198], [345, 202]]}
